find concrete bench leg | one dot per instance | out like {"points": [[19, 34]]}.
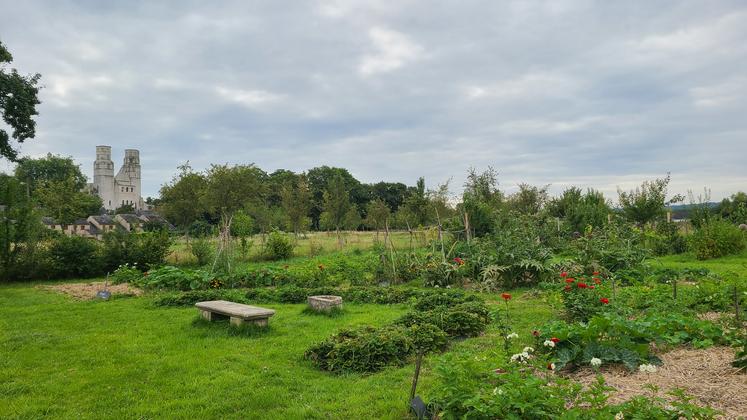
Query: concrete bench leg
{"points": [[211, 316], [240, 321]]}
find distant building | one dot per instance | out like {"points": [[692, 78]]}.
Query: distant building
{"points": [[95, 227], [124, 188]]}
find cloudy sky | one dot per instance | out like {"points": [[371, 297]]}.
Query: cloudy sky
{"points": [[600, 94]]}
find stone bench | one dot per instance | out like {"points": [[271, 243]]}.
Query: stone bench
{"points": [[325, 303], [237, 312]]}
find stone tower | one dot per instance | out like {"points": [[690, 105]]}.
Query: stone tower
{"points": [[103, 176], [122, 189]]}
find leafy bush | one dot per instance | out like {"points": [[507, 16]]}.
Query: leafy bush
{"points": [[616, 339], [147, 249], [126, 273], [73, 256], [193, 296], [584, 297], [367, 349], [278, 246], [666, 239], [717, 238], [617, 247], [203, 249]]}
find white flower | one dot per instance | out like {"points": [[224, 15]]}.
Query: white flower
{"points": [[511, 336], [551, 366], [528, 350], [647, 368], [549, 343], [521, 357], [596, 362], [497, 391], [619, 416]]}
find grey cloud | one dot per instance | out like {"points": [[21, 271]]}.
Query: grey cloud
{"points": [[599, 94]]}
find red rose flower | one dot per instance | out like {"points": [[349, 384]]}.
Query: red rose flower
{"points": [[604, 300], [459, 261], [506, 296], [555, 340], [569, 280], [596, 273], [582, 285], [563, 274]]}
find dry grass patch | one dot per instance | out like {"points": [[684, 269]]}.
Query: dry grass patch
{"points": [[705, 374], [87, 291]]}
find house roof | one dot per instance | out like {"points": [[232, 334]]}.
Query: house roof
{"points": [[104, 219], [131, 218], [48, 221]]}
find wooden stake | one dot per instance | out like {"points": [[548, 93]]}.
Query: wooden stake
{"points": [[418, 361]]}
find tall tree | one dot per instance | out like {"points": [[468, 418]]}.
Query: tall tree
{"points": [[377, 214], [51, 168], [648, 202], [337, 206], [417, 203], [20, 230], [296, 201], [181, 200], [18, 101]]}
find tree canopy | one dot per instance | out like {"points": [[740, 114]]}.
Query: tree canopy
{"points": [[18, 101]]}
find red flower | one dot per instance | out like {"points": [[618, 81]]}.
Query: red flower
{"points": [[596, 273], [604, 300], [563, 274], [581, 285], [597, 281], [459, 261], [535, 333], [506, 296], [567, 287], [555, 340], [591, 287], [569, 280]]}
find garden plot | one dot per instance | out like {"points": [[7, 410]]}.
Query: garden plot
{"points": [[705, 374], [87, 291]]}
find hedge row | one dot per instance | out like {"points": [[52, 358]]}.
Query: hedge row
{"points": [[295, 294]]}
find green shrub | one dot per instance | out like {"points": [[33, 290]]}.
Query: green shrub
{"points": [[584, 297], [146, 249], [126, 273], [73, 256], [203, 249], [193, 296], [717, 238], [367, 349], [617, 339], [278, 246], [173, 278]]}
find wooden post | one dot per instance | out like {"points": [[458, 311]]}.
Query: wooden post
{"points": [[418, 361], [466, 227], [736, 305]]}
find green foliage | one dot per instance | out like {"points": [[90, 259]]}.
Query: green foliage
{"points": [[73, 256], [423, 330], [646, 203], [584, 298], [717, 238], [615, 248], [18, 101], [511, 257], [579, 210], [203, 249], [366, 349], [20, 232], [147, 249], [470, 388], [279, 246], [666, 239], [126, 273], [173, 278], [617, 339], [200, 229]]}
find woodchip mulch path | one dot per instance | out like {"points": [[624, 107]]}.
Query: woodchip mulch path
{"points": [[87, 291]]}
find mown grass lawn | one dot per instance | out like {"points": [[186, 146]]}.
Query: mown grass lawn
{"points": [[128, 359]]}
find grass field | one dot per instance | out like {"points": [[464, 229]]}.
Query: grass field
{"points": [[126, 358], [320, 242]]}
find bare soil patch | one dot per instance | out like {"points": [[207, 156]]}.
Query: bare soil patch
{"points": [[87, 291], [705, 374]]}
